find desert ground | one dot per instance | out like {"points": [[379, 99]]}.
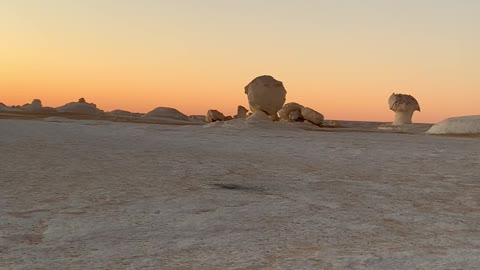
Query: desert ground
{"points": [[95, 194]]}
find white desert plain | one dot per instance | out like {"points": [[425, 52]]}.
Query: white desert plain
{"points": [[279, 187]]}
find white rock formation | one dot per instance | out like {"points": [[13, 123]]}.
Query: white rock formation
{"points": [[274, 117], [214, 116], [80, 107], [295, 116], [166, 113], [404, 106], [312, 116], [5, 108], [125, 114], [35, 106], [457, 125], [285, 111], [265, 94], [241, 112], [259, 116], [198, 118]]}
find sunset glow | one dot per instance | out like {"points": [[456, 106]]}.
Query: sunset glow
{"points": [[342, 58]]}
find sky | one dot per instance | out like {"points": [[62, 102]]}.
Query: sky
{"points": [[343, 58]]}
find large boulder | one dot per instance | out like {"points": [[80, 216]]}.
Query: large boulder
{"points": [[167, 113], [288, 108], [214, 116], [265, 94], [312, 116]]}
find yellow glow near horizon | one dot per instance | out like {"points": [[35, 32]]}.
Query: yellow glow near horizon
{"points": [[342, 58]]}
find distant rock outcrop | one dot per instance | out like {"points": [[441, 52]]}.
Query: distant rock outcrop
{"points": [[5, 108], [35, 106], [166, 113], [214, 116], [124, 114], [80, 107], [265, 94]]}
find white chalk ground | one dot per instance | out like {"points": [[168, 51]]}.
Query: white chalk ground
{"points": [[103, 195]]}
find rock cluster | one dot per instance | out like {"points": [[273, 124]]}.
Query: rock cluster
{"points": [[295, 112], [287, 109], [312, 116]]}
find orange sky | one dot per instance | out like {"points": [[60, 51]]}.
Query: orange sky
{"points": [[343, 59]]}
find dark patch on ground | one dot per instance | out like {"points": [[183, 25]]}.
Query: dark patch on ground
{"points": [[237, 187]]}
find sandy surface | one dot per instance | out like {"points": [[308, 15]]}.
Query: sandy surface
{"points": [[89, 194]]}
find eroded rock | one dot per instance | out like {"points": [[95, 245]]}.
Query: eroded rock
{"points": [[265, 94]]}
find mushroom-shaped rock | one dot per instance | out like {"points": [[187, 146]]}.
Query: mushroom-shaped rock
{"points": [[80, 108], [167, 113], [265, 94], [35, 106], [404, 106], [214, 116], [285, 111], [312, 116], [457, 125], [241, 112], [295, 116]]}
